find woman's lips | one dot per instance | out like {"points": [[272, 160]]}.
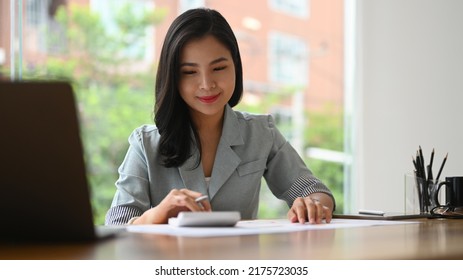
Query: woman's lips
{"points": [[208, 99]]}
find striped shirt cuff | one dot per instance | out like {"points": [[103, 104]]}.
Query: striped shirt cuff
{"points": [[121, 215], [304, 186]]}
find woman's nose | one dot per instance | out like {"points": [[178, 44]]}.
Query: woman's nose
{"points": [[207, 82]]}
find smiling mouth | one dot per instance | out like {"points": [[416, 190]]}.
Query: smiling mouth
{"points": [[208, 99]]}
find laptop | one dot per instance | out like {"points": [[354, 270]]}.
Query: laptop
{"points": [[43, 183]]}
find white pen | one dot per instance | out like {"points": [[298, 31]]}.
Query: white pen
{"points": [[372, 212], [201, 198]]}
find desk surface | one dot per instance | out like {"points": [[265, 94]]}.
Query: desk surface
{"points": [[429, 239]]}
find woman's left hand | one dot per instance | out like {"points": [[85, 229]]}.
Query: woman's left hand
{"points": [[313, 208]]}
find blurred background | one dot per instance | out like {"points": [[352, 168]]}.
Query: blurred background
{"points": [[293, 62]]}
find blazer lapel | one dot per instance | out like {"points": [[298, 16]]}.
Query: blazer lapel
{"points": [[226, 160], [192, 175]]}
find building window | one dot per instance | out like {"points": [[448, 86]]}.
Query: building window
{"points": [[190, 4], [298, 8], [40, 24], [36, 12], [288, 59]]}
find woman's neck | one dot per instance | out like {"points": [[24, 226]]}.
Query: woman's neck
{"points": [[206, 124], [209, 129]]}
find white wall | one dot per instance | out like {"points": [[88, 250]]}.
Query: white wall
{"points": [[410, 92]]}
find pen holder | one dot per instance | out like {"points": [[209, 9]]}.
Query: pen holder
{"points": [[419, 196]]}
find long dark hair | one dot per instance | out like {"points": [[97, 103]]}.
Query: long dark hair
{"points": [[171, 112]]}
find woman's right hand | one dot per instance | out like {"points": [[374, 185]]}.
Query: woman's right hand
{"points": [[176, 201]]}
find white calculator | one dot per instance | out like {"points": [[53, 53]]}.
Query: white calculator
{"points": [[206, 219]]}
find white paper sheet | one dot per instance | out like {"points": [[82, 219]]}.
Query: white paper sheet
{"points": [[257, 227]]}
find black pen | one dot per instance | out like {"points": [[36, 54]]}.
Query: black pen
{"points": [[425, 194], [441, 167], [432, 158], [414, 163], [423, 166], [418, 164], [430, 178]]}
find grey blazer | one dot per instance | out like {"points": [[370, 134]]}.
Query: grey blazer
{"points": [[251, 147]]}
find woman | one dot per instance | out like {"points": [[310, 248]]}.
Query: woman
{"points": [[200, 146]]}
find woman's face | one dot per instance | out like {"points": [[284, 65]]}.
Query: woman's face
{"points": [[207, 76]]}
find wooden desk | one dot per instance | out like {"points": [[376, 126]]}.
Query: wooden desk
{"points": [[429, 239]]}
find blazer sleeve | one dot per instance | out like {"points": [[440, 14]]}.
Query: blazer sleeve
{"points": [[132, 188], [287, 175]]}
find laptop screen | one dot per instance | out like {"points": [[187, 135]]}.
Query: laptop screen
{"points": [[43, 182]]}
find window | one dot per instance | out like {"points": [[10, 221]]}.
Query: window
{"points": [[298, 8], [40, 27], [288, 59], [108, 50], [190, 4], [36, 11]]}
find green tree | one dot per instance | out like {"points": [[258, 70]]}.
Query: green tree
{"points": [[325, 130]]}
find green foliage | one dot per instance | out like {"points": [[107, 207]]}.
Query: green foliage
{"points": [[325, 130], [332, 175]]}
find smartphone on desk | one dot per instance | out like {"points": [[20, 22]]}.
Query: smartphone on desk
{"points": [[206, 219]]}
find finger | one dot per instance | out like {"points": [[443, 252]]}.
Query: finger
{"points": [[191, 193], [205, 205], [203, 202], [184, 199], [322, 212], [300, 209], [312, 213], [319, 211], [292, 216], [328, 214], [194, 205], [314, 210]]}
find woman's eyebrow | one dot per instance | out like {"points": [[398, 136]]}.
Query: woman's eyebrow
{"points": [[220, 59], [215, 61]]}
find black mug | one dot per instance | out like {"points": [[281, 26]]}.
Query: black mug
{"points": [[453, 192]]}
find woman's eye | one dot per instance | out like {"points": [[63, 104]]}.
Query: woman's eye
{"points": [[220, 68], [186, 72]]}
